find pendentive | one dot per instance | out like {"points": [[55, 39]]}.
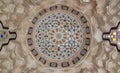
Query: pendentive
{"points": [[6, 35], [113, 36]]}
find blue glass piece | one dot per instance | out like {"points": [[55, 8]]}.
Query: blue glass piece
{"points": [[1, 36], [87, 30], [117, 36]]}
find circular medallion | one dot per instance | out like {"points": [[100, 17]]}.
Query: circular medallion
{"points": [[59, 36]]}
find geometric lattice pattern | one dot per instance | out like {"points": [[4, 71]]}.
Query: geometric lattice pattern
{"points": [[58, 36]]}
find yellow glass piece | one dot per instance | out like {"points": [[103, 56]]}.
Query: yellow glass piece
{"points": [[114, 39]]}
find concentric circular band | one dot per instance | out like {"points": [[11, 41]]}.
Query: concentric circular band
{"points": [[59, 36]]}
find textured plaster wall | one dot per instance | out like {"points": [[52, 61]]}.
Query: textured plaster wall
{"points": [[102, 15]]}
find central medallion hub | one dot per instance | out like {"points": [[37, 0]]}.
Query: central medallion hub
{"points": [[58, 36]]}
